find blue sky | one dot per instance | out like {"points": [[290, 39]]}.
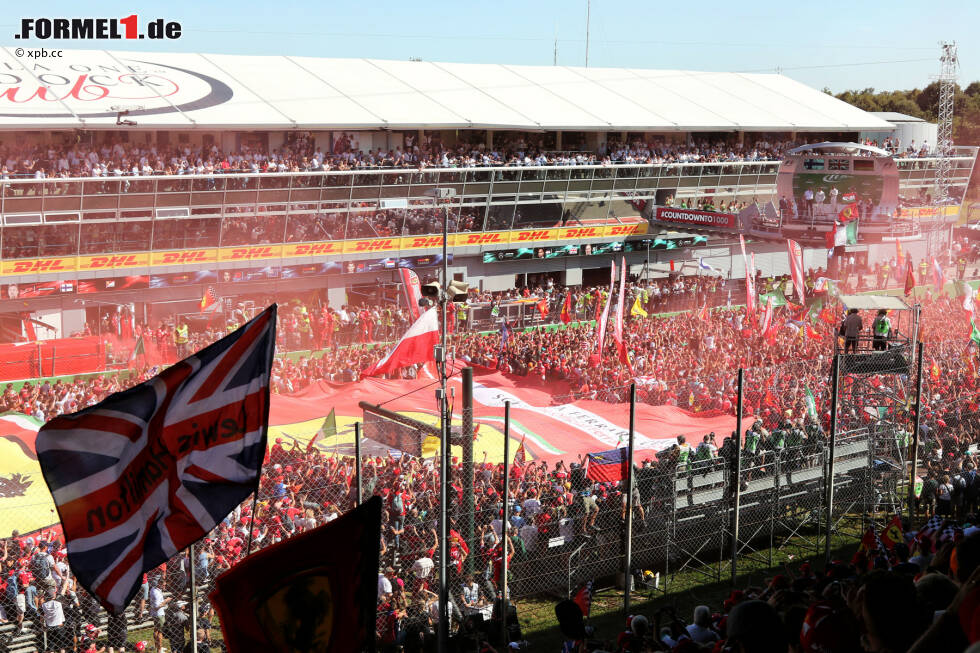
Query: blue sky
{"points": [[840, 45]]}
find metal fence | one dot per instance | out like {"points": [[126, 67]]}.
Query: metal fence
{"points": [[799, 470]]}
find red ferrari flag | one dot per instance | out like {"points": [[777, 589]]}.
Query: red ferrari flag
{"points": [[934, 372], [209, 299], [149, 471], [542, 307], [313, 592], [909, 278], [893, 533], [566, 308], [416, 346]]}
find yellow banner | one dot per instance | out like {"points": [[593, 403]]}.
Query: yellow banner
{"points": [[38, 265], [422, 242], [251, 253], [576, 233], [337, 247], [184, 257], [113, 262], [623, 230], [325, 248], [471, 238], [533, 235], [373, 245]]}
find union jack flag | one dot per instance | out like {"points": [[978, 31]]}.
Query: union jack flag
{"points": [[149, 471]]}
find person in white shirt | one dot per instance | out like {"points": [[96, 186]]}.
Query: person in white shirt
{"points": [[833, 199], [384, 585], [808, 202], [700, 631]]}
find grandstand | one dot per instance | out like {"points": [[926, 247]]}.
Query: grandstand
{"points": [[179, 171]]}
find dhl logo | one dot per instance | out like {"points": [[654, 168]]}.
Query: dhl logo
{"points": [[317, 248], [374, 245], [624, 230], [169, 258], [251, 252], [423, 243], [533, 235], [126, 261], [478, 239], [49, 265], [583, 232]]}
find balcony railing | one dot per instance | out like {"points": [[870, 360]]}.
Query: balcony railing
{"points": [[106, 215]]}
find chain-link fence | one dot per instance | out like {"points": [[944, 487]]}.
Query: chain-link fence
{"points": [[708, 496]]}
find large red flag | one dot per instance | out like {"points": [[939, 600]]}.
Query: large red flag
{"points": [[416, 346], [566, 308], [412, 289], [909, 278], [313, 592]]}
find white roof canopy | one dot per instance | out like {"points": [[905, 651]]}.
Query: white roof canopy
{"points": [[87, 89], [874, 302]]}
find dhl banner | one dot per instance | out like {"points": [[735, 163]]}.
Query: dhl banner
{"points": [[250, 253], [113, 262], [325, 248], [184, 257], [38, 265], [926, 212], [293, 250]]}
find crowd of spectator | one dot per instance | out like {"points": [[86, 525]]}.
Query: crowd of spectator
{"points": [[301, 154], [688, 360], [116, 158], [916, 595]]}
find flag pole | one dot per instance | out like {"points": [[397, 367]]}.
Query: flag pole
{"points": [[503, 529], [443, 641], [628, 561], [357, 461], [193, 601]]}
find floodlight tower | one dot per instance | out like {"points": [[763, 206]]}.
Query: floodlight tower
{"points": [[949, 63]]}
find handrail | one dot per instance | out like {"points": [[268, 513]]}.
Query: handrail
{"points": [[376, 170]]}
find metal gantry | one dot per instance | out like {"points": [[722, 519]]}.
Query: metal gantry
{"points": [[949, 63]]}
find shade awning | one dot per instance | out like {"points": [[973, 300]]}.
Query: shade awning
{"points": [[874, 302]]}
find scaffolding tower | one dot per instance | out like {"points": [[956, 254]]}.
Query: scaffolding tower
{"points": [[875, 399], [949, 62]]}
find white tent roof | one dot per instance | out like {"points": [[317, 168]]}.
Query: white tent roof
{"points": [[87, 89]]}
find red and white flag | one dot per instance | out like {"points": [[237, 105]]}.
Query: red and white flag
{"points": [[520, 456], [750, 300], [605, 309], [416, 346], [147, 472], [618, 332], [796, 267], [412, 288], [766, 317]]}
